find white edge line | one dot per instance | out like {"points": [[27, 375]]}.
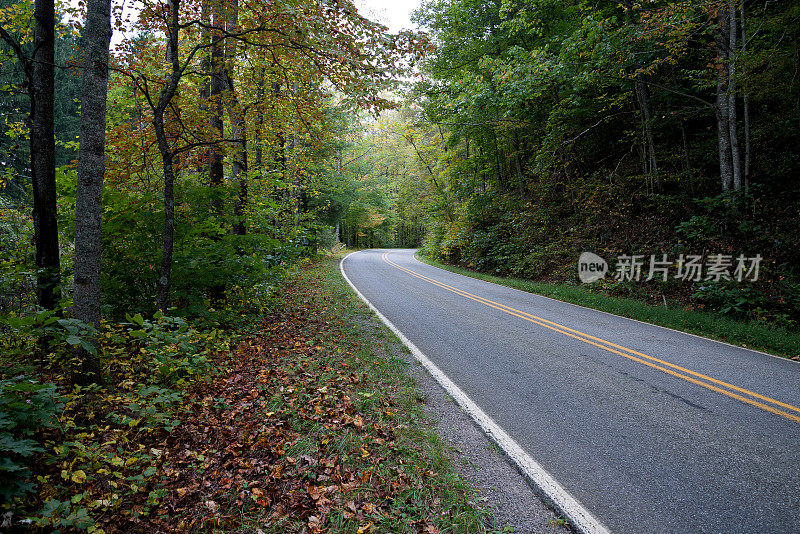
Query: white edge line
{"points": [[579, 517], [782, 358]]}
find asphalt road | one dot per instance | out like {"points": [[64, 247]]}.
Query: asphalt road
{"points": [[651, 430]]}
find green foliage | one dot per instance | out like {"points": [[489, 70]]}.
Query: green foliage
{"points": [[16, 266], [206, 254], [29, 334], [699, 228], [26, 407], [176, 350], [730, 298], [81, 442], [552, 128]]}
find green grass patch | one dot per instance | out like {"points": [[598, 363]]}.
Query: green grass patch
{"points": [[750, 334]]}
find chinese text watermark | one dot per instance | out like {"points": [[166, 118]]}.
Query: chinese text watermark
{"points": [[686, 267]]}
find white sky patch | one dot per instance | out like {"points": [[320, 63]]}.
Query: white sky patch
{"points": [[395, 14], [128, 9]]}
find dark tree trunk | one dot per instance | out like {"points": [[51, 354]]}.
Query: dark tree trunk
{"points": [[280, 154], [518, 164], [647, 146], [240, 174], [41, 92], [216, 107], [168, 243], [91, 170], [238, 127], [643, 97], [746, 106], [722, 102], [216, 169], [205, 88], [260, 126], [687, 162], [168, 160], [294, 178], [498, 168], [736, 160]]}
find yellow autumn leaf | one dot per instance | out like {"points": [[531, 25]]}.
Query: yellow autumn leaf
{"points": [[78, 477]]}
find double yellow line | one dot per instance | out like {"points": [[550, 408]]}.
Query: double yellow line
{"points": [[735, 392]]}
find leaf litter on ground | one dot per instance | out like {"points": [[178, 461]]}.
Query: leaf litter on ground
{"points": [[314, 428]]}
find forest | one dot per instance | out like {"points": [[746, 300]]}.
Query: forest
{"points": [[540, 130], [158, 191]]}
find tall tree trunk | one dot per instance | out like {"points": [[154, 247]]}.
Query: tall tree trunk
{"points": [[167, 159], [296, 185], [280, 138], [168, 242], [746, 104], [643, 97], [238, 126], [216, 106], [91, 170], [259, 125], [498, 169], [686, 155], [736, 160], [216, 167], [205, 88], [687, 162], [518, 164], [41, 92], [648, 146], [722, 102]]}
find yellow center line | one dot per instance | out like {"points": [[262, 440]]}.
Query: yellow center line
{"points": [[629, 353], [562, 327]]}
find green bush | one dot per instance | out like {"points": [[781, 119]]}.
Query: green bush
{"points": [[26, 407], [175, 351], [17, 270]]}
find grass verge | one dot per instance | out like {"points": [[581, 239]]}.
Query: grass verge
{"points": [[752, 335]]}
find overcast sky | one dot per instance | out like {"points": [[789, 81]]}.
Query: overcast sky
{"points": [[394, 13]]}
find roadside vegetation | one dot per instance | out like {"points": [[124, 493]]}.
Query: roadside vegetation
{"points": [[303, 420]]}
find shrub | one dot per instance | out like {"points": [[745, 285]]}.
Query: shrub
{"points": [[26, 407]]}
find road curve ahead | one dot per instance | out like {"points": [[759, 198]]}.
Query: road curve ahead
{"points": [[651, 430]]}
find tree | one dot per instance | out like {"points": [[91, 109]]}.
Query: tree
{"points": [[39, 71], [305, 42], [91, 170]]}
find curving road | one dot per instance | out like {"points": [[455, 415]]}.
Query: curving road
{"points": [[649, 429]]}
